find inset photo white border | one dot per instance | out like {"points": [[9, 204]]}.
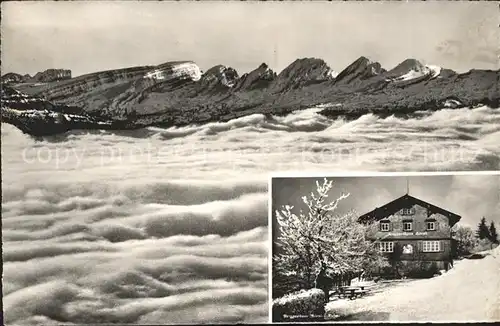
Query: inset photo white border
{"points": [[456, 193]]}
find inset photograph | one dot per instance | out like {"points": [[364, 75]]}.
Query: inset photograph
{"points": [[385, 247]]}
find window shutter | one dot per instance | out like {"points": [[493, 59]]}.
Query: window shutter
{"points": [[390, 226], [419, 246], [436, 225], [441, 246], [380, 226]]}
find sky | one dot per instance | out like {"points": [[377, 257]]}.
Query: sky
{"points": [[89, 36], [470, 196]]}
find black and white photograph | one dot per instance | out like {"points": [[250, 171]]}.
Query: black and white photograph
{"points": [[138, 137], [386, 247]]}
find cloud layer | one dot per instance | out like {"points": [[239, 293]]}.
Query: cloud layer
{"points": [[89, 253]]}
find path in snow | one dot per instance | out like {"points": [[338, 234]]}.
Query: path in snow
{"points": [[468, 292]]}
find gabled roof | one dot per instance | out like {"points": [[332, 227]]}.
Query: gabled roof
{"points": [[402, 202]]}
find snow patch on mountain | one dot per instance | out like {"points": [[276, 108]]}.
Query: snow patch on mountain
{"points": [[189, 69], [227, 82], [12, 96], [58, 117], [412, 74], [332, 74], [418, 72], [435, 70], [452, 103]]}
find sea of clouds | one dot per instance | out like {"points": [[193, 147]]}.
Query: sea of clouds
{"points": [[170, 225]]}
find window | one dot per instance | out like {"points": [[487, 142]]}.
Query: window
{"points": [[431, 226], [387, 246], [407, 211], [407, 226], [385, 226], [431, 246]]}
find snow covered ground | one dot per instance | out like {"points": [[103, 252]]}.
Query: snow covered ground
{"points": [[468, 292]]}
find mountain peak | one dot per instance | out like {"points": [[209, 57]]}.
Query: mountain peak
{"points": [[411, 70], [13, 77], [220, 74], [407, 65], [257, 78], [361, 69], [363, 59], [46, 76], [302, 72], [215, 70], [51, 75]]}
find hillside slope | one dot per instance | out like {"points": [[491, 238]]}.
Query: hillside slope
{"points": [[468, 292]]}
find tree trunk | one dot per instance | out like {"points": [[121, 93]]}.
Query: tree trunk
{"points": [[322, 282]]}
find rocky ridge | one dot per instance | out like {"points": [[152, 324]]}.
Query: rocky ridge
{"points": [[179, 93], [47, 76], [38, 117], [358, 71]]}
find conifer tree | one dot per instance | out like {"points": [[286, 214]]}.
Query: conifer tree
{"points": [[493, 236], [482, 230]]}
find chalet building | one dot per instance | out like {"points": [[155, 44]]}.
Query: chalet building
{"points": [[415, 235]]}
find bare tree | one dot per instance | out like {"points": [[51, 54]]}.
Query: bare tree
{"points": [[466, 240]]}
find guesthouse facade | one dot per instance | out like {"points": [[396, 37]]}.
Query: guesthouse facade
{"points": [[414, 235]]}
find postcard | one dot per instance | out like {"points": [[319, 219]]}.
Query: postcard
{"points": [[138, 138]]}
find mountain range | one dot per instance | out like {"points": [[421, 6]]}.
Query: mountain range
{"points": [[180, 93]]}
